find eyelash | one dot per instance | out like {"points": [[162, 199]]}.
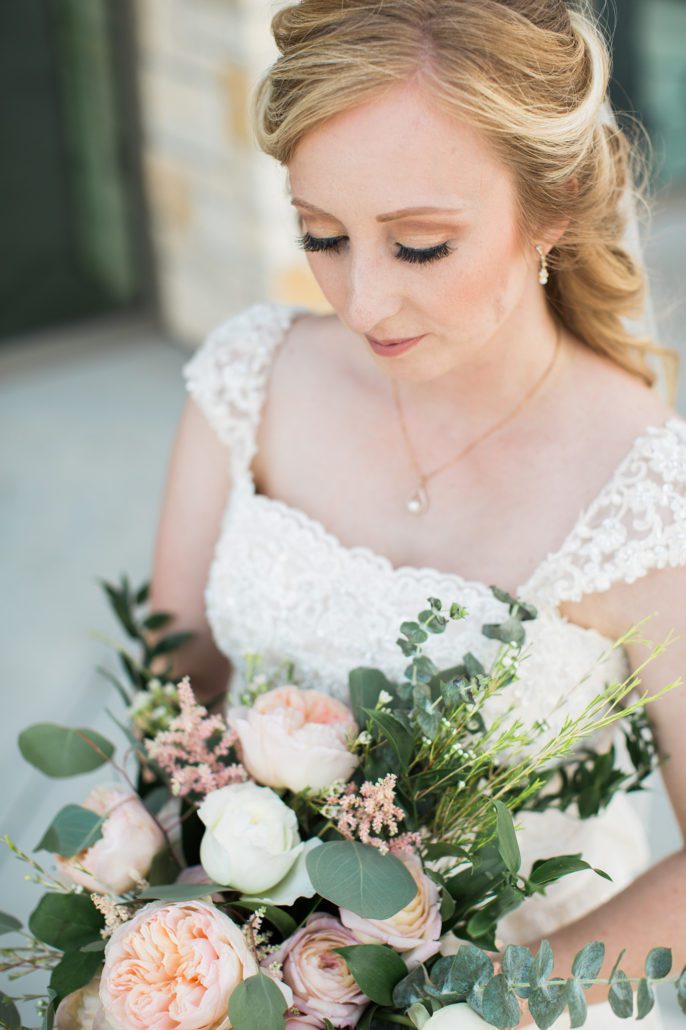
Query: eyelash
{"points": [[331, 244]]}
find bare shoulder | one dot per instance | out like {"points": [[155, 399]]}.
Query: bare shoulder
{"points": [[618, 404]]}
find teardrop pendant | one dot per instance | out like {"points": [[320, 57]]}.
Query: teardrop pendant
{"points": [[418, 502]]}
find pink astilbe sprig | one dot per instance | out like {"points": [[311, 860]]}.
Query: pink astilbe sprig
{"points": [[194, 750], [365, 812]]}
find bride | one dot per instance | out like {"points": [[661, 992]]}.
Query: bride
{"points": [[475, 410]]}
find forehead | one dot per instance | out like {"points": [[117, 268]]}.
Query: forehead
{"points": [[396, 150]]}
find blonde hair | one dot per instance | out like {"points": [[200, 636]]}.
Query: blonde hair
{"points": [[532, 76]]}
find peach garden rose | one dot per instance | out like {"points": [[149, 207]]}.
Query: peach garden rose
{"points": [[415, 930], [296, 739], [173, 967], [322, 985], [123, 854]]}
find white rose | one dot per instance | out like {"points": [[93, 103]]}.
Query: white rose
{"points": [[251, 840], [455, 1017]]}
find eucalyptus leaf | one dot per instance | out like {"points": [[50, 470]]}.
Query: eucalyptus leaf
{"points": [[66, 921], [621, 996], [358, 877], [257, 1002], [499, 1004], [507, 838], [645, 999], [74, 970], [73, 829], [411, 989], [589, 961], [375, 968], [576, 1003], [508, 632], [8, 923], [60, 751], [547, 1003], [458, 974], [658, 963], [542, 965], [516, 966]]}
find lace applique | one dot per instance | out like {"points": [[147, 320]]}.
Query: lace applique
{"points": [[227, 374], [635, 524]]}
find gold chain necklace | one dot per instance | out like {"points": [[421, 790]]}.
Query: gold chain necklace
{"points": [[418, 501]]}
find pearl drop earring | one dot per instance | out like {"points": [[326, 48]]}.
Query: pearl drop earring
{"points": [[543, 272]]}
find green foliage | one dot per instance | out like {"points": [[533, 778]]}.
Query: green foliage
{"points": [[66, 921], [61, 751], [358, 877], [255, 1002], [129, 606], [645, 999], [8, 923], [548, 870], [621, 996], [499, 1004], [658, 963], [9, 1013], [576, 1003], [180, 891], [164, 868], [73, 829], [588, 962], [375, 968], [73, 971], [516, 966], [364, 686], [507, 838]]}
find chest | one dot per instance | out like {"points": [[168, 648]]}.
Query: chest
{"points": [[493, 517]]}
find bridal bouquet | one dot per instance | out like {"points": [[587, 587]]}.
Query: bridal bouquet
{"points": [[300, 862]]}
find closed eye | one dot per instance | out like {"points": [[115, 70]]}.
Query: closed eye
{"points": [[332, 244]]}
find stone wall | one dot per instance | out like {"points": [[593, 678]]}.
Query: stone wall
{"points": [[221, 226]]}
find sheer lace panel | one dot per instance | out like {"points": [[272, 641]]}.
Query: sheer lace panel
{"points": [[635, 524], [227, 374]]}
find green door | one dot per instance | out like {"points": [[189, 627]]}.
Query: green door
{"points": [[69, 183]]}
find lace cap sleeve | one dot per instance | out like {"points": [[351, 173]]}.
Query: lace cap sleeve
{"points": [[636, 523], [227, 374]]}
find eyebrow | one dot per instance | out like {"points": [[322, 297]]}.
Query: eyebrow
{"points": [[390, 216]]}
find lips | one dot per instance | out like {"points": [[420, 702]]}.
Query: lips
{"points": [[391, 343], [387, 348]]}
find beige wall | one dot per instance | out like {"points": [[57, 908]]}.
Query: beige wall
{"points": [[222, 229]]}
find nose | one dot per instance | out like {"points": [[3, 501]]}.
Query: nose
{"points": [[372, 298]]}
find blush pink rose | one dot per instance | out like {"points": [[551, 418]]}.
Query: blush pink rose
{"points": [[82, 1010], [296, 738], [415, 930], [130, 840], [322, 985], [174, 967], [303, 1023]]}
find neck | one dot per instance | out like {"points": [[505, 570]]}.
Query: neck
{"points": [[490, 377]]}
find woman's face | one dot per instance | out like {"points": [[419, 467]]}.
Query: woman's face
{"points": [[350, 177]]}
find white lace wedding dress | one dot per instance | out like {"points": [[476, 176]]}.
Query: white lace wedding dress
{"points": [[280, 584]]}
